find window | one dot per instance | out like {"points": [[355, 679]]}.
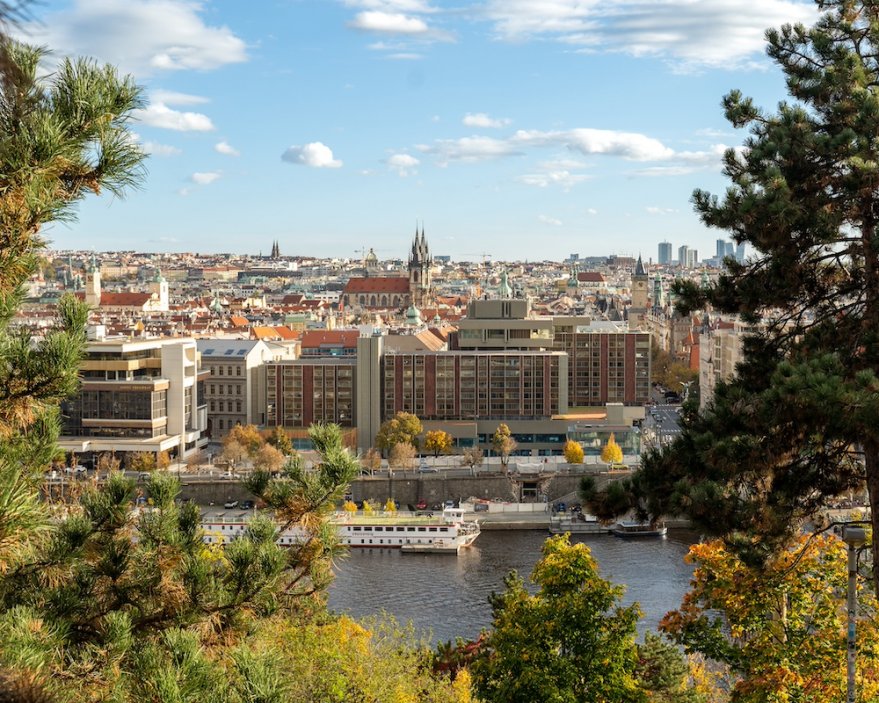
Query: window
{"points": [[220, 371], [238, 406], [237, 370]]}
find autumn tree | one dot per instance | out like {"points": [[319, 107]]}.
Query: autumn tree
{"points": [[270, 459], [141, 461], [280, 440], [402, 456], [668, 371], [472, 457], [780, 629], [612, 453], [569, 641], [372, 459], [438, 442], [799, 423], [403, 428], [247, 436], [573, 452], [503, 443]]}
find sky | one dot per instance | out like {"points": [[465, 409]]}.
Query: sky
{"points": [[513, 129]]}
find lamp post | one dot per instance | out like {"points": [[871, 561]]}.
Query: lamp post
{"points": [[854, 536]]}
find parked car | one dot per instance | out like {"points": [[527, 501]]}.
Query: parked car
{"points": [[423, 468], [247, 505], [229, 476], [143, 476], [421, 504], [230, 504]]}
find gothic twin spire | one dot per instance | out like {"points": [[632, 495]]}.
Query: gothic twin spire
{"points": [[420, 252]]}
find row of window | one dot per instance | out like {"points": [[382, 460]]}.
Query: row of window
{"points": [[218, 370], [220, 406]]}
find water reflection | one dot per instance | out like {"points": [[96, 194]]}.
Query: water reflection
{"points": [[449, 595]]}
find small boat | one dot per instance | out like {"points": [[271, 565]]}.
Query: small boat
{"points": [[633, 530], [577, 525], [447, 534]]}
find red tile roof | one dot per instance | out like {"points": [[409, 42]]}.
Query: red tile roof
{"points": [[378, 284], [590, 277]]}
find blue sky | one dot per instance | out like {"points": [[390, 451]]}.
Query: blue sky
{"points": [[524, 129]]}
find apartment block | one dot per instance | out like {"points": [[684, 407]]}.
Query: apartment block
{"points": [[235, 391]]}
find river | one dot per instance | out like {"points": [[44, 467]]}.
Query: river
{"points": [[448, 596]]}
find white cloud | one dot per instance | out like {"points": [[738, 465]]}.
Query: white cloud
{"points": [[546, 219], [405, 56], [161, 116], [480, 119], [689, 33], [226, 149], [205, 178], [403, 164], [653, 210], [171, 97], [628, 145], [314, 154], [591, 211], [389, 23], [565, 179], [139, 36], [470, 149], [157, 149]]}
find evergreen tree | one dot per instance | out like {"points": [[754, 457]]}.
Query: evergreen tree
{"points": [[800, 421]]}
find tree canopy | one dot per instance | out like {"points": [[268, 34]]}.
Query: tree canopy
{"points": [[799, 422], [403, 428], [569, 642], [780, 630]]}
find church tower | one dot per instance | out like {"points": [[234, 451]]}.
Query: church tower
{"points": [[638, 309], [159, 288], [419, 271], [93, 284]]}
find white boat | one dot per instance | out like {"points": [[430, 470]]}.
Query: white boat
{"points": [[447, 534], [634, 530]]}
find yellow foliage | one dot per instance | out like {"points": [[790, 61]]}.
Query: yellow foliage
{"points": [[573, 452], [612, 453], [349, 506], [390, 506], [786, 621]]}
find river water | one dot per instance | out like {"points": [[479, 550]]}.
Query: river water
{"points": [[448, 596]]}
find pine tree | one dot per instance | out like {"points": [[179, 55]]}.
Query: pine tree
{"points": [[800, 422]]}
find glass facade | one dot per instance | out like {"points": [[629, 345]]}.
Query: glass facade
{"points": [[113, 405]]}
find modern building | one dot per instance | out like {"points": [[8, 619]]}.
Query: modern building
{"points": [[684, 256], [137, 396], [664, 257], [720, 248]]}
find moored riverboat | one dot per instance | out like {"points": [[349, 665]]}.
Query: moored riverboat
{"points": [[577, 525], [635, 530], [446, 534]]}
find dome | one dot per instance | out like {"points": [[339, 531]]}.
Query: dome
{"points": [[413, 315]]}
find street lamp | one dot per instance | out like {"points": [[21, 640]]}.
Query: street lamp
{"points": [[854, 536]]}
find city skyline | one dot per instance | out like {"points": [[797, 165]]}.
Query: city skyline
{"points": [[334, 126]]}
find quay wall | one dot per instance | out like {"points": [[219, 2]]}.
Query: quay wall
{"points": [[431, 488]]}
